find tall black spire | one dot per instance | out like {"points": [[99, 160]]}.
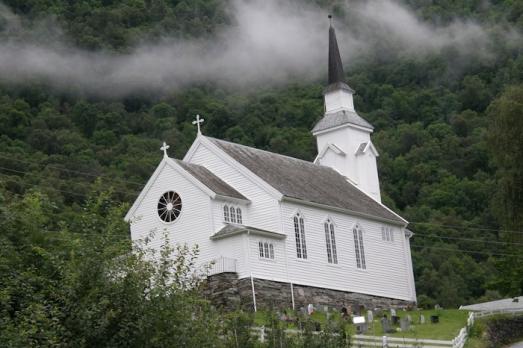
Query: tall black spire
{"points": [[336, 73]]}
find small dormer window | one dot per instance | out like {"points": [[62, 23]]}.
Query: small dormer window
{"points": [[226, 213], [232, 214], [239, 215]]}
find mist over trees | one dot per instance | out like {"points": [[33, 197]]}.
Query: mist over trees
{"points": [[447, 126]]}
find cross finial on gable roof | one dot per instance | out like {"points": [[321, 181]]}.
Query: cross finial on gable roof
{"points": [[164, 149], [197, 122]]}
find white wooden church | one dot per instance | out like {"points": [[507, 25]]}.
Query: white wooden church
{"points": [[282, 230]]}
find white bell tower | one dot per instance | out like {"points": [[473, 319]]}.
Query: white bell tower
{"points": [[342, 136]]}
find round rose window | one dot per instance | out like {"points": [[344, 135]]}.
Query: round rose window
{"points": [[169, 206]]}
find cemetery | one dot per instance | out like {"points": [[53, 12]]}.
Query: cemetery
{"points": [[436, 324]]}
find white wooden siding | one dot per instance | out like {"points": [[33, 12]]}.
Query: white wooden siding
{"points": [[234, 248], [196, 207], [388, 271], [263, 211], [267, 268]]}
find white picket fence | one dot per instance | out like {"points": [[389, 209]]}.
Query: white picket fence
{"points": [[364, 341]]}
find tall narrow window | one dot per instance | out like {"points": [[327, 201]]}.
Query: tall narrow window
{"points": [[330, 241], [239, 215], [226, 213], [271, 251], [260, 246], [233, 215], [358, 248], [299, 232]]}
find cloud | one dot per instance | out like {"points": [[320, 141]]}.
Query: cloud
{"points": [[270, 42]]}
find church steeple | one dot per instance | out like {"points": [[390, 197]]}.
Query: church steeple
{"points": [[336, 74], [342, 135]]}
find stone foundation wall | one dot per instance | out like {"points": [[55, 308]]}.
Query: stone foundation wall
{"points": [[228, 292]]}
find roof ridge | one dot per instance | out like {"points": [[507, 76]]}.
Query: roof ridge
{"points": [[266, 151]]}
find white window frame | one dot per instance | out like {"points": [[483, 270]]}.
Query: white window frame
{"points": [[226, 217], [330, 241], [239, 217], [299, 236], [232, 214], [266, 250], [387, 234], [359, 249]]}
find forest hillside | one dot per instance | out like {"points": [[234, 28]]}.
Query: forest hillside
{"points": [[82, 120]]}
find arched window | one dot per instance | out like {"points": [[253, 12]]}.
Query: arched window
{"points": [[239, 215], [226, 213], [233, 215], [330, 240], [299, 233], [358, 247]]}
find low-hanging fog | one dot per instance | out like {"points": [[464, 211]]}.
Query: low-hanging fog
{"points": [[269, 42]]}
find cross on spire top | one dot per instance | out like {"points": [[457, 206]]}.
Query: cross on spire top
{"points": [[197, 122], [164, 149]]}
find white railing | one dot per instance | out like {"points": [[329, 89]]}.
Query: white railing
{"points": [[393, 342], [222, 265], [513, 311]]}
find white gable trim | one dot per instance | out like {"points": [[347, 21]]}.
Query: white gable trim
{"points": [[326, 148], [203, 141], [166, 161], [368, 146]]}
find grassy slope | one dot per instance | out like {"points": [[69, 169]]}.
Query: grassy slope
{"points": [[451, 321]]}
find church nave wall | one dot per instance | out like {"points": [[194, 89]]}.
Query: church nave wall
{"points": [[386, 272]]}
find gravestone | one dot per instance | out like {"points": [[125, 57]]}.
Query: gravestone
{"points": [[422, 319], [310, 309], [370, 317], [409, 318], [395, 319], [385, 325], [404, 324], [361, 328], [392, 312]]}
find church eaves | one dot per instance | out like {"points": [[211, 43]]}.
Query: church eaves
{"points": [[305, 181], [210, 180], [340, 118]]}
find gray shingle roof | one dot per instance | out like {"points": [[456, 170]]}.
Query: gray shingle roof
{"points": [[210, 180], [233, 229], [339, 118], [304, 180]]}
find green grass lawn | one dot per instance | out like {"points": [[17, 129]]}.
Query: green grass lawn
{"points": [[450, 322]]}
